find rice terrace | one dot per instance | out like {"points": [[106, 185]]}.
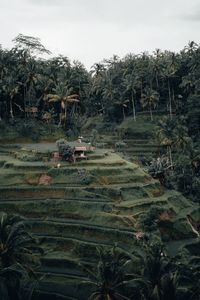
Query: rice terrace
{"points": [[99, 176]]}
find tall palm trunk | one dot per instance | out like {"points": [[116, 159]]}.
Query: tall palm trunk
{"points": [[25, 101], [141, 89], [133, 105], [11, 109], [170, 100], [157, 83], [150, 110], [65, 111], [170, 156], [124, 116], [173, 99]]}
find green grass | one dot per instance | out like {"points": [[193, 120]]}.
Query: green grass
{"points": [[143, 128], [71, 221]]}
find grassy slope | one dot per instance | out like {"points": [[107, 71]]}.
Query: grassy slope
{"points": [[74, 214]]}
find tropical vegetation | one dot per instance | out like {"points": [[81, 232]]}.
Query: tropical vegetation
{"points": [[52, 94]]}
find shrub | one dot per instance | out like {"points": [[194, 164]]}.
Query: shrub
{"points": [[28, 129], [27, 157], [65, 151], [149, 220]]}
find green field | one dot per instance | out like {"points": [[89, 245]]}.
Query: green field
{"points": [[86, 204]]}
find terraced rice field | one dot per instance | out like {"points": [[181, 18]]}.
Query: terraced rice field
{"points": [[84, 205]]}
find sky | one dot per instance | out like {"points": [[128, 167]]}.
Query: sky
{"points": [[91, 30]]}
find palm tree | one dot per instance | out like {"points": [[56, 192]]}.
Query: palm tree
{"points": [[155, 265], [157, 66], [11, 88], [107, 280], [123, 105], [150, 98], [166, 135], [15, 283], [29, 81], [131, 84], [188, 83], [62, 94], [182, 139], [108, 90], [97, 69], [17, 248], [16, 244], [169, 73]]}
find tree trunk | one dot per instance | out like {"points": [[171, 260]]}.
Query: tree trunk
{"points": [[150, 112], [157, 84], [25, 101], [133, 104], [141, 91], [124, 116], [173, 98], [170, 100], [11, 109], [65, 112], [170, 156]]}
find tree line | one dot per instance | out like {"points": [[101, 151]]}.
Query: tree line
{"points": [[56, 90], [118, 87]]}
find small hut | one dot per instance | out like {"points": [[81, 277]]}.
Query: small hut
{"points": [[79, 153]]}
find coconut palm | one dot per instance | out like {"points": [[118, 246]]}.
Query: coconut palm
{"points": [[169, 73], [157, 66], [131, 84], [17, 248], [150, 98], [107, 280], [62, 94], [11, 88], [123, 105], [16, 244], [29, 81], [166, 135], [15, 283], [108, 89], [182, 139]]}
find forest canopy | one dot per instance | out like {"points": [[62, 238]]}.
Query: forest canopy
{"points": [[163, 81]]}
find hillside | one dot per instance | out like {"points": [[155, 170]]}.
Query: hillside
{"points": [[100, 201]]}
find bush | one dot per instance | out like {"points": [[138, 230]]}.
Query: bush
{"points": [[148, 221], [27, 156], [28, 129], [65, 151]]}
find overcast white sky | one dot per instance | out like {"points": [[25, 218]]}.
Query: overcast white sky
{"points": [[90, 30]]}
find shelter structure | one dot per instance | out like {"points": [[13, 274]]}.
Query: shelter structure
{"points": [[79, 153]]}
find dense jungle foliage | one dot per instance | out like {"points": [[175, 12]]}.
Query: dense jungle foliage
{"points": [[57, 93], [164, 85], [165, 82], [146, 272]]}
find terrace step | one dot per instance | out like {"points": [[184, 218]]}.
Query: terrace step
{"points": [[87, 200], [141, 207], [76, 223], [61, 287], [82, 229], [103, 235], [55, 239], [61, 271], [30, 167], [141, 151]]}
